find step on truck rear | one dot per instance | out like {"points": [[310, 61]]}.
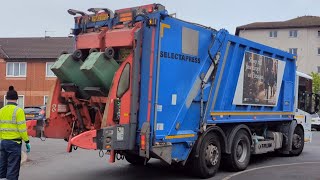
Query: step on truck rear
{"points": [[142, 84]]}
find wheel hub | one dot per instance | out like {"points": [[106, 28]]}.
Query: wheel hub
{"points": [[212, 155], [297, 141], [241, 151]]}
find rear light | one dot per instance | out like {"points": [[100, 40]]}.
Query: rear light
{"points": [[109, 132], [150, 9], [125, 17], [152, 22], [143, 142], [108, 140]]}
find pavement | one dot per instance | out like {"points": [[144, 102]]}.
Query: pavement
{"points": [[49, 160]]}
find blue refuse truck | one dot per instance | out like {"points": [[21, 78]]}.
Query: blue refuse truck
{"points": [[186, 94]]}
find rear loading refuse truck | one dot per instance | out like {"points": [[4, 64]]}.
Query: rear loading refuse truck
{"points": [[142, 84]]}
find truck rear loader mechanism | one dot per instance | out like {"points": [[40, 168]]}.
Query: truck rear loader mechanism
{"points": [[142, 84]]}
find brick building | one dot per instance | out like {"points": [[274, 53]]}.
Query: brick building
{"points": [[25, 64], [299, 36]]}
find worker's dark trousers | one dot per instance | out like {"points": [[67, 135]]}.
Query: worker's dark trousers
{"points": [[10, 158]]}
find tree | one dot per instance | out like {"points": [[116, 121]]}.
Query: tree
{"points": [[315, 82]]}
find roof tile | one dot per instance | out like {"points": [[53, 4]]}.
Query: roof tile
{"points": [[299, 22], [35, 48]]}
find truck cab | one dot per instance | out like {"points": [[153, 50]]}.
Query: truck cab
{"points": [[305, 103]]}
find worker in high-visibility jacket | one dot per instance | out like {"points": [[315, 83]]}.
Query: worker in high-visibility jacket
{"points": [[13, 131]]}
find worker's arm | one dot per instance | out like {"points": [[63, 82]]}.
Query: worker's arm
{"points": [[0, 123], [22, 126]]}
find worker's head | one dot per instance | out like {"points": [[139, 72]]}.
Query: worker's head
{"points": [[12, 95]]}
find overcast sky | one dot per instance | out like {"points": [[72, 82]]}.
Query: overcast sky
{"points": [[31, 18]]}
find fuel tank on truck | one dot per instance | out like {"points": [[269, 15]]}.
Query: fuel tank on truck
{"points": [[100, 70]]}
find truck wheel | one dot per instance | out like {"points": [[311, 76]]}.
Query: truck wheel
{"points": [[297, 141], [207, 164], [135, 159], [239, 158]]}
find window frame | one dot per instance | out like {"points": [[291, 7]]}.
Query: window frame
{"points": [[129, 81], [304, 98], [44, 99], [293, 49], [25, 63], [5, 100], [273, 33], [50, 76], [293, 35]]}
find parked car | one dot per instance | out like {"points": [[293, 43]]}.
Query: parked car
{"points": [[35, 112], [315, 121]]}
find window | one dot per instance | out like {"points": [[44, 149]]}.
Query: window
{"points": [[16, 69], [318, 33], [318, 69], [49, 73], [273, 34], [20, 101], [293, 33], [319, 51], [124, 81], [304, 95], [293, 51], [45, 99]]}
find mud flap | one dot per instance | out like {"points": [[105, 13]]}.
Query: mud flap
{"points": [[163, 152], [145, 131], [287, 131]]}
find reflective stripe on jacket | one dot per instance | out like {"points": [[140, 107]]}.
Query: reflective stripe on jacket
{"points": [[13, 123]]}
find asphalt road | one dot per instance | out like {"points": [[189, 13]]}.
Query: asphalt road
{"points": [[49, 160]]}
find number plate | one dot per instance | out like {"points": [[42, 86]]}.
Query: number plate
{"points": [[30, 116], [120, 133]]}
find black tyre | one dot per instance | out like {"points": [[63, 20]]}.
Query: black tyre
{"points": [[208, 162], [239, 158], [77, 55], [297, 141], [135, 159], [109, 53]]}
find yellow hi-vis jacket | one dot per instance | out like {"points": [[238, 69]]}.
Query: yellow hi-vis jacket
{"points": [[13, 124]]}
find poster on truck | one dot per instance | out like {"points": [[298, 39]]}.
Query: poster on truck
{"points": [[259, 80]]}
